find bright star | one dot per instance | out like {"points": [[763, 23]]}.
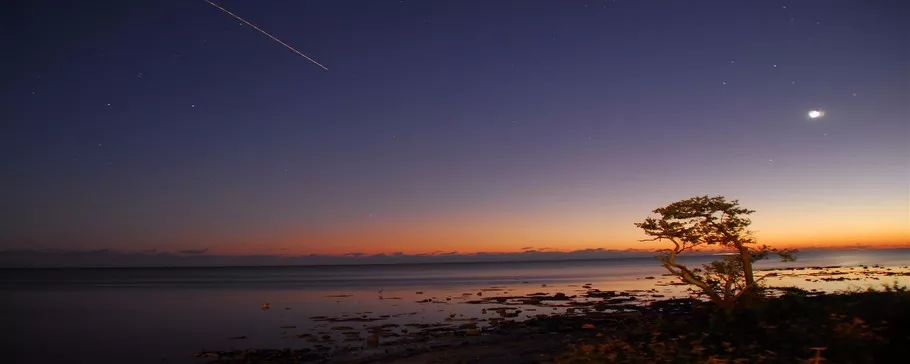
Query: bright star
{"points": [[815, 114]]}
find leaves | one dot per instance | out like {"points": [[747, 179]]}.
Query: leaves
{"points": [[700, 221]]}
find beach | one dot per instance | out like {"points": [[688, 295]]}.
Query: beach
{"points": [[348, 313]]}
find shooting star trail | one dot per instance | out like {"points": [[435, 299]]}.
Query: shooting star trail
{"points": [[267, 34]]}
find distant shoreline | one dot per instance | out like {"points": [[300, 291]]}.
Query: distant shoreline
{"points": [[441, 260]]}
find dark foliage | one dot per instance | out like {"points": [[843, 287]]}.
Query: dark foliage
{"points": [[860, 327]]}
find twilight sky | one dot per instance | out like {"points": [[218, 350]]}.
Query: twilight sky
{"points": [[448, 126]]}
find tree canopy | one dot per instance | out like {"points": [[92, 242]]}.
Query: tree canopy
{"points": [[710, 221]]}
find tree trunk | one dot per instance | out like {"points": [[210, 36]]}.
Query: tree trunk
{"points": [[747, 266], [689, 277]]}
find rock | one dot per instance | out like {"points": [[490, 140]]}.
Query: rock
{"points": [[287, 327], [602, 294], [472, 332], [614, 301], [373, 340], [265, 306], [627, 314], [588, 327], [649, 277]]}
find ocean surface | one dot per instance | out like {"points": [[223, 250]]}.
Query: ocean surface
{"points": [[155, 315]]}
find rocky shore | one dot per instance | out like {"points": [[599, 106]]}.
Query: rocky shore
{"points": [[606, 325]]}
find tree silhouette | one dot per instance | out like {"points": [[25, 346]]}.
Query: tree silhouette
{"points": [[711, 221]]}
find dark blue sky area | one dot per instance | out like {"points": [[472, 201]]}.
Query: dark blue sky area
{"points": [[136, 125]]}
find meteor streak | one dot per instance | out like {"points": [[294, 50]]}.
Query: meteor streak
{"points": [[267, 34]]}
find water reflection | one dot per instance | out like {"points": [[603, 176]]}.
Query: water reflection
{"points": [[141, 317]]}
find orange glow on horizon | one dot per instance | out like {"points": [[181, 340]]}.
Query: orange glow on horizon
{"points": [[513, 231], [426, 237]]}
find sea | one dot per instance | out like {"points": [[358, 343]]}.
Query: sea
{"points": [[162, 315]]}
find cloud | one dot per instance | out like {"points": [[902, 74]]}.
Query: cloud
{"points": [[203, 257], [194, 251]]}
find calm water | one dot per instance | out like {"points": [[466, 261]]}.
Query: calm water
{"points": [[150, 315]]}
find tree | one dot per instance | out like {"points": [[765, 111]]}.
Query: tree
{"points": [[707, 221]]}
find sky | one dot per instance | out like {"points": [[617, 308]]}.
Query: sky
{"points": [[448, 127]]}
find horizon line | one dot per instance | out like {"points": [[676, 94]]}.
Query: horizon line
{"points": [[212, 260]]}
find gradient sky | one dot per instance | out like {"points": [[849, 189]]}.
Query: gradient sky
{"points": [[449, 125]]}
